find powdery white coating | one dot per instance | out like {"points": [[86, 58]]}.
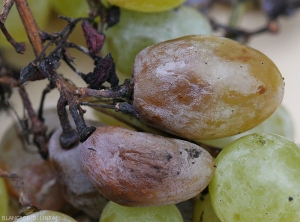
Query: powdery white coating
{"points": [[47, 215], [140, 169], [257, 179], [77, 188], [205, 87]]}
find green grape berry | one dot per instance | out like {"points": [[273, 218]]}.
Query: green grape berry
{"points": [[137, 30], [116, 213], [257, 179], [3, 199], [71, 8], [46, 215], [147, 5], [280, 122], [203, 210], [194, 88]]}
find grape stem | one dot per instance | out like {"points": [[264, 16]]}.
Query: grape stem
{"points": [[242, 35], [6, 6], [20, 47], [19, 185], [30, 25]]}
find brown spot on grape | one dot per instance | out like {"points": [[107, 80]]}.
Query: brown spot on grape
{"points": [[291, 198], [261, 89]]}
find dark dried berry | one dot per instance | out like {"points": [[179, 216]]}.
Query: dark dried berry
{"points": [[94, 40]]}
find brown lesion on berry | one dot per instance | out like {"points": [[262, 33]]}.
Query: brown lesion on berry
{"points": [[261, 89]]}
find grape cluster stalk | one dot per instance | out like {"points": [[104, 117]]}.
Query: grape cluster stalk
{"points": [[190, 125]]}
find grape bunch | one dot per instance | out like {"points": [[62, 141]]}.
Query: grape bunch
{"points": [[196, 131]]}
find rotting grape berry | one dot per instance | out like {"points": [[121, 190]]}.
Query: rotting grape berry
{"points": [[194, 88], [76, 187], [141, 169]]}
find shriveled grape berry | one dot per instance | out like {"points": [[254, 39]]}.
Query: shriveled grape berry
{"points": [[76, 187], [205, 87], [141, 169]]}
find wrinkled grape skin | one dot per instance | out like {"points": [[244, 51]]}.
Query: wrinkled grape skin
{"points": [[39, 179], [205, 87], [137, 30], [76, 187], [116, 213], [147, 5], [257, 179], [141, 169]]}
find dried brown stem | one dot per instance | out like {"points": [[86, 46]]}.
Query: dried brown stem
{"points": [[6, 6], [38, 128], [66, 90], [125, 91], [9, 81], [20, 47], [19, 185], [30, 26]]}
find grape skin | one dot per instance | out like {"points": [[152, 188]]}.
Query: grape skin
{"points": [[137, 30], [192, 87], [39, 179], [203, 210], [77, 189], [280, 122], [3, 199], [71, 8], [116, 213], [123, 164], [256, 179], [147, 5], [47, 215]]}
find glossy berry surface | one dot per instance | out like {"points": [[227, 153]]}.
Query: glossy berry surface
{"points": [[256, 179], [147, 5]]}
